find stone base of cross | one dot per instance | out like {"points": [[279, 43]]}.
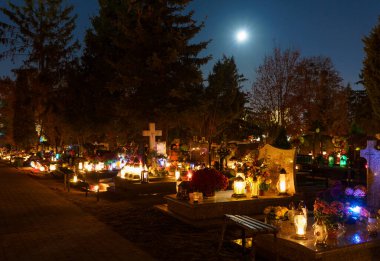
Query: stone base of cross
{"points": [[152, 133], [372, 155]]}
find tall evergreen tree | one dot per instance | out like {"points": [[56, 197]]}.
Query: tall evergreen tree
{"points": [[6, 110], [42, 32], [150, 61], [371, 68], [224, 99]]}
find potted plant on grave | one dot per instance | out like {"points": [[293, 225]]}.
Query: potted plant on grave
{"points": [[332, 215], [207, 181]]}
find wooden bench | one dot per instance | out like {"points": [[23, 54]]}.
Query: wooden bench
{"points": [[254, 226]]}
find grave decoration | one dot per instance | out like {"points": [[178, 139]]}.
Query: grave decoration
{"points": [[132, 171], [276, 159], [37, 165], [275, 214], [372, 155], [283, 182], [208, 181], [239, 187], [320, 233], [300, 224], [332, 214]]}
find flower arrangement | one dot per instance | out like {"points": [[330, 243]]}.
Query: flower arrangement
{"points": [[208, 180], [331, 213], [264, 181], [276, 213], [357, 192], [260, 171]]}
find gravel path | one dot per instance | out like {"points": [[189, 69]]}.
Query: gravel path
{"points": [[133, 216]]}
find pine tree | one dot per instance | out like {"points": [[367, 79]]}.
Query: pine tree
{"points": [[41, 31], [371, 68], [146, 52]]}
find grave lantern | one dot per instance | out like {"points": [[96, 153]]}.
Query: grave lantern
{"points": [[331, 160], [177, 174], [343, 161], [300, 223], [255, 188], [144, 176], [52, 167], [283, 182], [239, 187], [80, 165]]}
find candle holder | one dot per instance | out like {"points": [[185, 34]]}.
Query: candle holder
{"points": [[300, 224], [239, 188]]}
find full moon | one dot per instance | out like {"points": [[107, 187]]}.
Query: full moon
{"points": [[241, 36]]}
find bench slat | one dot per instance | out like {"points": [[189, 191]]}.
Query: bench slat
{"points": [[259, 223], [252, 224]]}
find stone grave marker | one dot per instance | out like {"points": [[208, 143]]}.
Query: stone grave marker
{"points": [[372, 155], [152, 133], [276, 159]]}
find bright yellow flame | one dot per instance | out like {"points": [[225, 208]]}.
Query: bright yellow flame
{"points": [[42, 168], [239, 187], [282, 180], [75, 179], [300, 222], [52, 167], [80, 166], [177, 174], [99, 166]]}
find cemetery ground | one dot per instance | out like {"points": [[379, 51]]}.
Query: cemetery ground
{"points": [[131, 214]]}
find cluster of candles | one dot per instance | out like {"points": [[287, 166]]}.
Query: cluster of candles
{"points": [[132, 169], [240, 185]]}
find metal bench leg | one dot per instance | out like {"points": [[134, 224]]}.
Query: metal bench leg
{"points": [[243, 239], [222, 235]]}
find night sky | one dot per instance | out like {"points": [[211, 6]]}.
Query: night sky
{"points": [[329, 28]]}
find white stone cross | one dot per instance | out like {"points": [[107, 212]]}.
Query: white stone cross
{"points": [[152, 133], [372, 155]]}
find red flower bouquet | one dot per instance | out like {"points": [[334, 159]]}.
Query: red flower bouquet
{"points": [[331, 213], [208, 181]]}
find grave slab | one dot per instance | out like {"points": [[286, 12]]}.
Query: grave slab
{"points": [[211, 210]]}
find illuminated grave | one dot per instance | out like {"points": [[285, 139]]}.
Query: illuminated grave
{"points": [[208, 211]]}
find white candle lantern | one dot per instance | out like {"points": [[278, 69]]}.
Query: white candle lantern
{"points": [[239, 187], [300, 223], [52, 167], [282, 182], [177, 174]]}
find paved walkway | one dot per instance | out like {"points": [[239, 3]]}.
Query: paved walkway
{"points": [[37, 224]]}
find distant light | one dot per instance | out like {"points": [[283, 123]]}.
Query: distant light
{"points": [[241, 36]]}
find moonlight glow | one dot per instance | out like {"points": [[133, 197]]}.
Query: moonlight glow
{"points": [[241, 36]]}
